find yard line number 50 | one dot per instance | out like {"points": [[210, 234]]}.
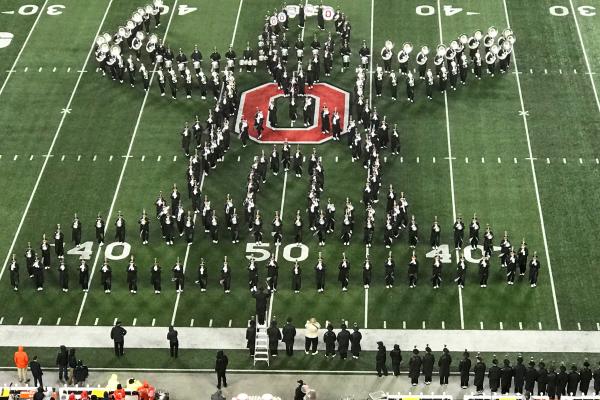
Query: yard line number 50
{"points": [[260, 252]]}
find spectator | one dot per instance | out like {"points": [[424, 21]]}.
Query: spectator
{"points": [[173, 342], [428, 362], [36, 371], [494, 376], [519, 371], [81, 373], [39, 395], [298, 393], [479, 371], [221, 369], [119, 393], [506, 375], [562, 378], [274, 335], [62, 362], [251, 337], [143, 391], [380, 358], [572, 381], [464, 367], [311, 333], [396, 357], [444, 365], [21, 361], [586, 377], [72, 365], [329, 338], [414, 367], [117, 334], [288, 336]]}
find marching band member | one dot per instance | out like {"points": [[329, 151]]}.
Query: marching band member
{"points": [[345, 52], [196, 57], [202, 280], [155, 277], [14, 273], [145, 77], [477, 65], [344, 273], [429, 84], [132, 276], [422, 61], [144, 223], [106, 276], [461, 272], [474, 233], [225, 280], [484, 270], [436, 272], [178, 276], [410, 87], [534, 269], [161, 82], [296, 278], [320, 274], [413, 270], [84, 275], [367, 273], [490, 60]]}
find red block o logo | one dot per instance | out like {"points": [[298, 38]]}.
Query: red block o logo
{"points": [[323, 93]]}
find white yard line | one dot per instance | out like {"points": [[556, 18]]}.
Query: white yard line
{"points": [[371, 57], [120, 181], [12, 69], [285, 178], [535, 183], [237, 19], [60, 125], [185, 259], [587, 62], [460, 299]]}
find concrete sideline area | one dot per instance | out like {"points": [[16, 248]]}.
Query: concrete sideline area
{"points": [[234, 338], [200, 385]]}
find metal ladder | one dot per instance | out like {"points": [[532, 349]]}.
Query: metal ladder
{"points": [[261, 345]]}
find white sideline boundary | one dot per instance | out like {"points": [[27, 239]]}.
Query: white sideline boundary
{"points": [[499, 341], [587, 62], [49, 153], [125, 162], [535, 183], [460, 299], [12, 69]]}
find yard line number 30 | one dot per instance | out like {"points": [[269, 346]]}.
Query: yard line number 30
{"points": [[562, 11]]}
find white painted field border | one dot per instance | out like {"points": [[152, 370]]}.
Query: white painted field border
{"points": [[587, 62], [114, 199], [537, 192], [60, 125], [12, 69], [460, 299]]}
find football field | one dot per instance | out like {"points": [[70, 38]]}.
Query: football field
{"points": [[521, 150]]}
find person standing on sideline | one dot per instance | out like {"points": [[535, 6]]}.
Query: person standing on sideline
{"points": [[36, 371], [380, 358], [343, 339], [221, 368], [479, 371], [21, 361], [396, 356], [274, 335], [464, 367], [173, 341], [72, 364], [444, 365], [298, 394], [288, 336], [251, 337], [494, 375], [62, 362], [355, 338], [311, 333], [117, 334], [428, 362], [414, 367]]}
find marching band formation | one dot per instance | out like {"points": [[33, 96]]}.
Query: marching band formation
{"points": [[212, 140]]}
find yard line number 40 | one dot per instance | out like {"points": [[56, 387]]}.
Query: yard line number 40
{"points": [[113, 251], [57, 9]]}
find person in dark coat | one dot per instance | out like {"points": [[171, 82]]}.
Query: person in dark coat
{"points": [[298, 394], [551, 385], [479, 371], [585, 378], [494, 376], [444, 366], [531, 376], [542, 379], [428, 363], [343, 339], [274, 335], [251, 337], [396, 357], [562, 378], [288, 335], [62, 362], [329, 339], [380, 358], [81, 373], [506, 375], [596, 375], [355, 338], [519, 375], [36, 371], [573, 381], [262, 299], [39, 395], [221, 368], [117, 334], [464, 367], [72, 364], [173, 342], [414, 367]]}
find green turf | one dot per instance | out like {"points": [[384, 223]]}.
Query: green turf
{"points": [[484, 126]]}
